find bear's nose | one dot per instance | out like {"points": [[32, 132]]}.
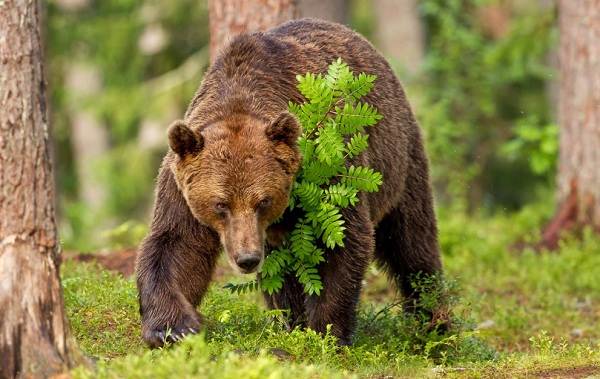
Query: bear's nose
{"points": [[247, 261]]}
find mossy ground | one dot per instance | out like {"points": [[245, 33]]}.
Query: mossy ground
{"points": [[519, 313]]}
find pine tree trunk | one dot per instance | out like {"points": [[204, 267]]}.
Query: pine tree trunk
{"points": [[229, 18], [399, 33], [89, 137], [579, 119], [331, 10], [33, 331]]}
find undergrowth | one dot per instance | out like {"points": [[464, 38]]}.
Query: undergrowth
{"points": [[518, 313]]}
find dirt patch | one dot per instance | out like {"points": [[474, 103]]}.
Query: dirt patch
{"points": [[122, 261], [568, 372]]}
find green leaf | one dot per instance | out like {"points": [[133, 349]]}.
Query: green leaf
{"points": [[341, 195], [271, 284], [276, 262], [330, 145], [310, 279], [329, 224], [303, 240], [357, 144], [242, 288], [362, 178], [309, 194]]}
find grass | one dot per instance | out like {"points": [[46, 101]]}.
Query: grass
{"points": [[518, 314]]}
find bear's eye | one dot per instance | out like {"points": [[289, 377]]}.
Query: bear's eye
{"points": [[264, 203], [221, 208]]}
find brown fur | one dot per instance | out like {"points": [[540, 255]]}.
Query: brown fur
{"points": [[229, 174]]}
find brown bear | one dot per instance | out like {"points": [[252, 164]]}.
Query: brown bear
{"points": [[229, 172]]}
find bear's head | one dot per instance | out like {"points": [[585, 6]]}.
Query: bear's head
{"points": [[236, 175]]}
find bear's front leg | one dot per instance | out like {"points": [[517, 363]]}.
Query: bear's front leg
{"points": [[291, 297], [342, 274], [174, 267]]}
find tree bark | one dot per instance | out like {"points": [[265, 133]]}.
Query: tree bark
{"points": [[399, 33], [228, 18], [33, 330], [579, 119], [330, 10]]}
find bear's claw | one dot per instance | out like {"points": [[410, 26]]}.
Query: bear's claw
{"points": [[160, 337]]}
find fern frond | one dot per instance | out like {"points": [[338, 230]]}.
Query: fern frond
{"points": [[329, 223], [302, 240], [357, 144], [309, 194], [276, 262], [307, 148], [271, 284], [309, 278], [361, 85], [330, 145], [339, 77], [341, 195], [355, 118], [319, 172], [362, 178], [333, 128], [242, 288]]}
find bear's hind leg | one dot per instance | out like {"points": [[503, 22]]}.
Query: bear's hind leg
{"points": [[342, 274], [406, 239]]}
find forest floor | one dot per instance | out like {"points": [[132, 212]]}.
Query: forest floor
{"points": [[519, 313]]}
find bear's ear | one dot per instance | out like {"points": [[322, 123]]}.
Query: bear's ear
{"points": [[183, 140], [284, 128]]}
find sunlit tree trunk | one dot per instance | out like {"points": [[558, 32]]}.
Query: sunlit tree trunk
{"points": [[399, 33], [579, 118], [331, 10], [89, 137], [229, 18], [33, 331]]}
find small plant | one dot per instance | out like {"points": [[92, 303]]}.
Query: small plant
{"points": [[537, 142], [333, 123]]}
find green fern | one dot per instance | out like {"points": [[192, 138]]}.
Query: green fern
{"points": [[333, 123], [243, 287], [362, 178]]}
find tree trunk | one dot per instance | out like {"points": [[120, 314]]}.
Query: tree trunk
{"points": [[33, 331], [399, 33], [579, 119], [89, 137], [331, 10], [229, 18]]}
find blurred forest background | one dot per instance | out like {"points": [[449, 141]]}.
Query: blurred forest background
{"points": [[480, 75], [514, 166]]}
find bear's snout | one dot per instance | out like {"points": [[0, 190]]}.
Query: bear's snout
{"points": [[248, 261]]}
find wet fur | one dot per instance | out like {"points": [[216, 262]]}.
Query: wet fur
{"points": [[255, 77]]}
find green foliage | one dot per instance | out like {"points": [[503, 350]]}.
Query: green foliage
{"points": [[479, 81], [515, 316], [106, 37], [538, 143], [333, 123], [195, 358], [128, 234], [242, 287]]}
